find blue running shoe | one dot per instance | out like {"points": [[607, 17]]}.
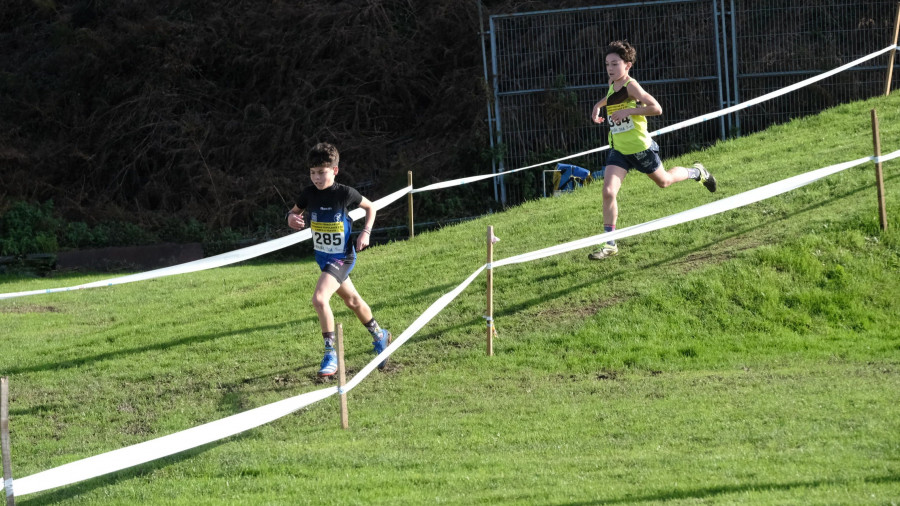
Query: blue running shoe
{"points": [[381, 344], [329, 364]]}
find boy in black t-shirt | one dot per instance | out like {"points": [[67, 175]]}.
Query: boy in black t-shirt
{"points": [[328, 205]]}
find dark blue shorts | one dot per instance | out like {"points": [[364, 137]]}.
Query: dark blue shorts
{"points": [[338, 267], [646, 161]]}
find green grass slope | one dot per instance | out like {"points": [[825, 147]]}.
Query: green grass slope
{"points": [[750, 357]]}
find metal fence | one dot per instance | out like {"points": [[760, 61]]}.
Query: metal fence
{"points": [[695, 56]]}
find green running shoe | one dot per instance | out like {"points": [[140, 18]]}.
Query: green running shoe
{"points": [[706, 179], [608, 250]]}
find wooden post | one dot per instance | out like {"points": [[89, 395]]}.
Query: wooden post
{"points": [[342, 377], [890, 69], [4, 440], [879, 174], [490, 291], [409, 201]]}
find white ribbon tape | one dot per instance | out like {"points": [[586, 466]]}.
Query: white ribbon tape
{"points": [[687, 123], [228, 258], [129, 456], [261, 249], [719, 206], [458, 182], [410, 331], [144, 452], [381, 203], [197, 265], [470, 179], [884, 158], [8, 485], [769, 96], [174, 443]]}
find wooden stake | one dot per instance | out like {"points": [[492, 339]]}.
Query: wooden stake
{"points": [[490, 291], [4, 440], [409, 200], [879, 174], [342, 377], [890, 69]]}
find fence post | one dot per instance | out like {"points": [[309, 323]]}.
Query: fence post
{"points": [[409, 200], [342, 377], [4, 440], [879, 174], [490, 291], [890, 69]]}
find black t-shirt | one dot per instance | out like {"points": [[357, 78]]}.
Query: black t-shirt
{"points": [[329, 218]]}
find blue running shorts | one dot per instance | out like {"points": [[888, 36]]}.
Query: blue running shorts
{"points": [[646, 161], [339, 267]]}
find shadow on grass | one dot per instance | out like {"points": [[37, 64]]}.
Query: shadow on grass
{"points": [[710, 492], [302, 376], [377, 304], [559, 294], [79, 362], [679, 256], [769, 223], [40, 409]]}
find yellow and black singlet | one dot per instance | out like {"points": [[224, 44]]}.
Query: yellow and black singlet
{"points": [[629, 136]]}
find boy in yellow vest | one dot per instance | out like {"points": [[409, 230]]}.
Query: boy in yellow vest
{"points": [[627, 107]]}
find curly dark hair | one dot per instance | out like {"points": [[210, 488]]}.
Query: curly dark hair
{"points": [[323, 154], [622, 48]]}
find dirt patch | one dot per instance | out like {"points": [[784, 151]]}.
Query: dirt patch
{"points": [[30, 308], [126, 407], [580, 312], [607, 375], [138, 428], [283, 380]]}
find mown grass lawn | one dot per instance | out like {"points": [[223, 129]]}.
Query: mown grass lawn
{"points": [[751, 357]]}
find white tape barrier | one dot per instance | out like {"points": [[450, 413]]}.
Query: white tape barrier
{"points": [[717, 207], [884, 158], [466, 180], [231, 257], [261, 249], [683, 124], [168, 445], [130, 456], [768, 96], [117, 460], [417, 325], [197, 265]]}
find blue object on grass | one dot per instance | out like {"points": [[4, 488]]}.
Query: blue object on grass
{"points": [[571, 175]]}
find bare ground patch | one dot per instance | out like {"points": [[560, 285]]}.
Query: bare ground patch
{"points": [[30, 308], [580, 311]]}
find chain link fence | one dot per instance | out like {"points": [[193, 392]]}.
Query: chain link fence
{"points": [[546, 71]]}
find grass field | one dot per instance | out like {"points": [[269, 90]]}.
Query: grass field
{"points": [[750, 357]]}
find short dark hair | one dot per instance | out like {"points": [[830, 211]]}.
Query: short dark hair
{"points": [[622, 48], [323, 154]]}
